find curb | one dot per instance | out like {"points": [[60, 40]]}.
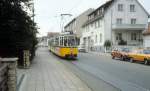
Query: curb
{"points": [[101, 54], [21, 81]]}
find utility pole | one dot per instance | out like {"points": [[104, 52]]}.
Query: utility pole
{"points": [[62, 21]]}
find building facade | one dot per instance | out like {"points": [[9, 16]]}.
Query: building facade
{"points": [[146, 35], [120, 21], [75, 25]]}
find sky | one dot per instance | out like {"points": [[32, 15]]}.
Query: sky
{"points": [[48, 12]]}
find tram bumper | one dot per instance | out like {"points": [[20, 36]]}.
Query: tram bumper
{"points": [[71, 55]]}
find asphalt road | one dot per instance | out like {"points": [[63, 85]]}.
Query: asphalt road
{"points": [[101, 73]]}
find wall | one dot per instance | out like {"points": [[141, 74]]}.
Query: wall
{"points": [[112, 14], [147, 41]]}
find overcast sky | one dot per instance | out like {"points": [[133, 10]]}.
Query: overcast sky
{"points": [[48, 12]]}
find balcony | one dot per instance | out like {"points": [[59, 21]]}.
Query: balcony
{"points": [[128, 26]]}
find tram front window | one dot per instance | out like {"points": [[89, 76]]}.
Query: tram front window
{"points": [[69, 41]]}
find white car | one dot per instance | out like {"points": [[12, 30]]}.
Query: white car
{"points": [[81, 49]]}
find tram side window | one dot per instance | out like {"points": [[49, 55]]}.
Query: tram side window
{"points": [[65, 41], [56, 41], [52, 42], [71, 41], [60, 41]]}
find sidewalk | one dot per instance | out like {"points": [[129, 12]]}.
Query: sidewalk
{"points": [[48, 74]]}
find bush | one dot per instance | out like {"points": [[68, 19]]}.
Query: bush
{"points": [[107, 45]]}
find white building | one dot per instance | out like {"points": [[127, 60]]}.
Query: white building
{"points": [[146, 35], [118, 21]]}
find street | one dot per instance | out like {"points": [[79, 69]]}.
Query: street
{"points": [[90, 72], [101, 73], [75, 45], [48, 74]]}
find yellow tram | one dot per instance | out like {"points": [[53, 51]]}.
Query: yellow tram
{"points": [[64, 45]]}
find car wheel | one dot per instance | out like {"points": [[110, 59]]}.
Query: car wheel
{"points": [[122, 58], [146, 62], [113, 57], [131, 60]]}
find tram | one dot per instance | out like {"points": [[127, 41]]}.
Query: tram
{"points": [[64, 45]]}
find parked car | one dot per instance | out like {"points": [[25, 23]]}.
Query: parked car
{"points": [[141, 55], [82, 49], [120, 53]]}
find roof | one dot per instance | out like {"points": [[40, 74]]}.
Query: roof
{"points": [[147, 32], [105, 6], [89, 10], [91, 21], [143, 8]]}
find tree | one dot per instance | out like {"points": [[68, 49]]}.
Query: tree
{"points": [[107, 44], [17, 29]]}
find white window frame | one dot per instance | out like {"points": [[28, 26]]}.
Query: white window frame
{"points": [[133, 36], [119, 36], [120, 7], [95, 38], [100, 38], [132, 8], [133, 21], [119, 21]]}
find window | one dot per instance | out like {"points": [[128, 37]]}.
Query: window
{"points": [[88, 27], [95, 14], [91, 24], [133, 21], [120, 7], [119, 21], [133, 36], [98, 12], [100, 38], [132, 8], [95, 25], [99, 23], [96, 39], [119, 36]]}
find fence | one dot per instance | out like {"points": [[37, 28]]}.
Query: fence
{"points": [[8, 74]]}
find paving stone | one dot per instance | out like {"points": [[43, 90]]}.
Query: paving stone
{"points": [[48, 74]]}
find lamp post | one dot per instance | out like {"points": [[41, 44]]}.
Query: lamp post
{"points": [[62, 22]]}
